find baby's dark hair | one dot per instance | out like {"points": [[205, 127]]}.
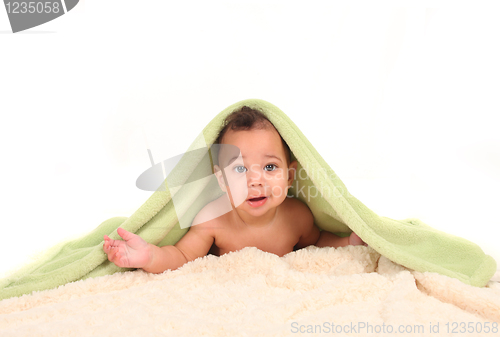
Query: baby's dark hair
{"points": [[246, 119]]}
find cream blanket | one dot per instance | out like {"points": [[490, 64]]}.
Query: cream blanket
{"points": [[313, 291]]}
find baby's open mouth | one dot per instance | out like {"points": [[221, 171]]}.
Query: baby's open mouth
{"points": [[257, 199]]}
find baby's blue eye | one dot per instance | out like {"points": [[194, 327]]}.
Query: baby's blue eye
{"points": [[240, 169], [270, 167]]}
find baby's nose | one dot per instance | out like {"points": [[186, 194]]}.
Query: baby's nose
{"points": [[254, 183], [254, 176]]}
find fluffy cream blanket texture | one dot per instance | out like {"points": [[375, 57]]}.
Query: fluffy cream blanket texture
{"points": [[310, 292]]}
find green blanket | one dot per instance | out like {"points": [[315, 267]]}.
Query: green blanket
{"points": [[409, 242]]}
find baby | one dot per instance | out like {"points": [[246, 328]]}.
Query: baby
{"points": [[262, 215]]}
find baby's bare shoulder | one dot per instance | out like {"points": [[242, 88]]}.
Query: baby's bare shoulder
{"points": [[298, 212], [302, 223], [212, 214]]}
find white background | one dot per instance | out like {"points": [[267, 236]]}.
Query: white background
{"points": [[401, 102]]}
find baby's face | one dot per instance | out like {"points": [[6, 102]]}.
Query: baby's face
{"points": [[258, 178]]}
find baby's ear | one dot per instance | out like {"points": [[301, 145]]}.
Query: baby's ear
{"points": [[220, 178]]}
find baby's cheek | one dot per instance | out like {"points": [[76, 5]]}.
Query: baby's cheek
{"points": [[277, 175], [279, 190], [239, 191]]}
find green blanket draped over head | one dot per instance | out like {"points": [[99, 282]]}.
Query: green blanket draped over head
{"points": [[409, 242]]}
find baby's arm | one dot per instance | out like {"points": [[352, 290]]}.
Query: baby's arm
{"points": [[194, 244], [328, 239], [311, 235], [134, 252]]}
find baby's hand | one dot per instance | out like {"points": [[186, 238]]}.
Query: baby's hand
{"points": [[134, 252]]}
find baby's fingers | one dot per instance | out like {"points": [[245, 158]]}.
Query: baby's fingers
{"points": [[108, 244], [111, 252], [105, 246], [115, 256], [118, 259]]}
